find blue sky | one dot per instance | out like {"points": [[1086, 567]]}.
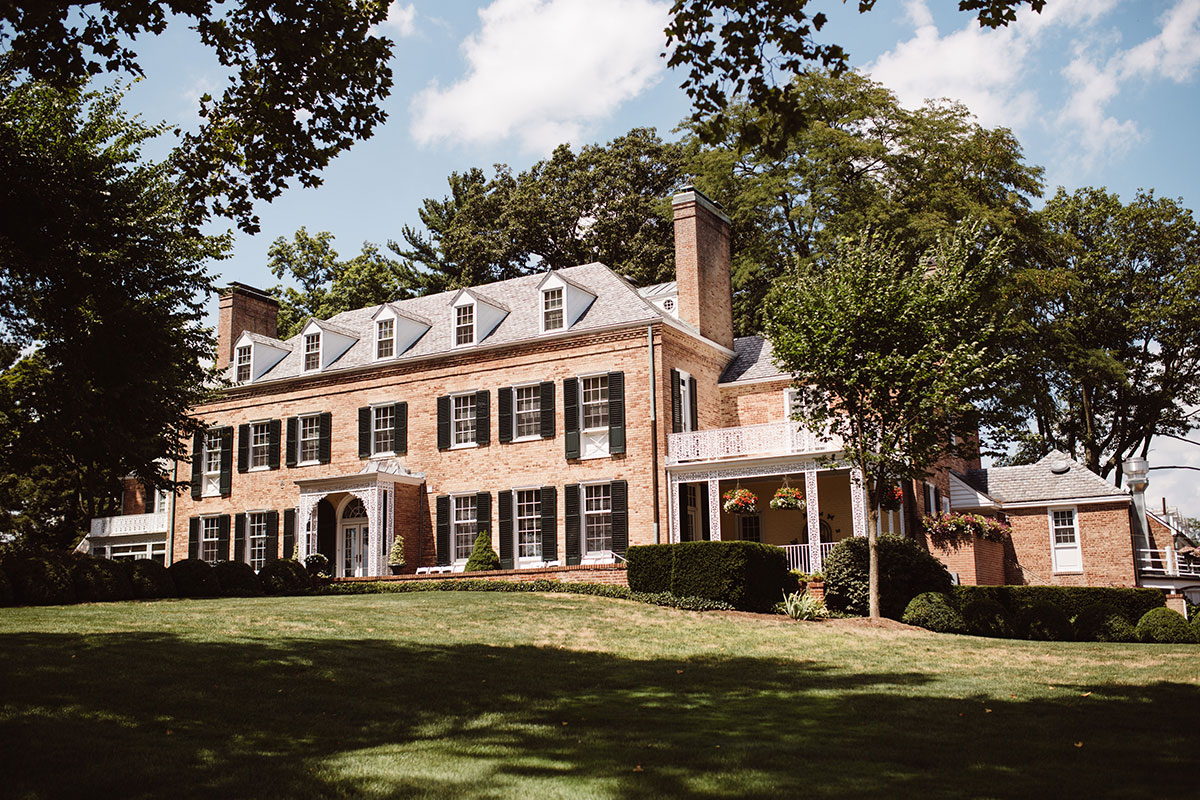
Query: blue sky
{"points": [[1099, 92]]}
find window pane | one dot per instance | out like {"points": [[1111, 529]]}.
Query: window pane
{"points": [[312, 351], [552, 309], [243, 364], [209, 536], [385, 338], [464, 325], [310, 438], [256, 531], [260, 444], [384, 439], [527, 412], [212, 452], [1064, 527], [465, 528], [750, 528], [464, 419], [529, 524], [597, 517], [595, 402]]}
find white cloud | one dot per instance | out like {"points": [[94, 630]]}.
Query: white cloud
{"points": [[401, 20], [543, 70]]}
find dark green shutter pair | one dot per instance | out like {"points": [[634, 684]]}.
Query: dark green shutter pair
{"points": [[573, 511], [289, 536], [504, 527], [272, 543], [616, 414], [483, 522], [325, 442], [197, 465], [222, 537], [197, 483], [483, 415], [366, 441], [548, 508], [677, 409], [243, 462], [504, 412]]}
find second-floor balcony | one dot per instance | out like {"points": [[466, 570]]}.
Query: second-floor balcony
{"points": [[129, 524], [747, 441]]}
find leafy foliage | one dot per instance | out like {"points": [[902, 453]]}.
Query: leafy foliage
{"points": [[1044, 622], [1165, 626], [482, 557], [906, 570], [317, 565], [284, 576], [195, 578], [1101, 622], [649, 567], [150, 579], [40, 580], [986, 617], [1073, 600], [99, 580], [237, 579], [747, 575], [951, 530], [802, 605], [7, 598], [396, 555], [934, 611]]}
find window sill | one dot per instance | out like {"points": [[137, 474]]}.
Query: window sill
{"points": [[308, 463], [594, 456], [536, 438], [1069, 572], [264, 468], [464, 446], [388, 454]]}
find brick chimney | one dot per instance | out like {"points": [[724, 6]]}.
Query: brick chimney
{"points": [[702, 265], [243, 308]]}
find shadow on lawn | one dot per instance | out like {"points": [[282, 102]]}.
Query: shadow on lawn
{"points": [[144, 715]]}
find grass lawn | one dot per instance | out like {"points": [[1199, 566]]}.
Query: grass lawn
{"points": [[547, 696]]}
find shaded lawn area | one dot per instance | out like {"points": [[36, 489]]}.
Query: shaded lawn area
{"points": [[547, 696]]}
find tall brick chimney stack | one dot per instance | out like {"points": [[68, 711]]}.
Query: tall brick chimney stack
{"points": [[244, 308], [702, 265]]}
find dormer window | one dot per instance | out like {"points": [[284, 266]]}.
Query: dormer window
{"points": [[385, 338], [312, 352], [243, 365], [552, 309], [464, 325]]}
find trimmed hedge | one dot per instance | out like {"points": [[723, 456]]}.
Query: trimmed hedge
{"points": [[40, 580], [284, 576], [1131, 604], [986, 617], [237, 579], [747, 575], [195, 578], [934, 611], [150, 580], [99, 580], [1044, 622], [906, 569], [1165, 626], [6, 590], [650, 567], [1101, 622]]}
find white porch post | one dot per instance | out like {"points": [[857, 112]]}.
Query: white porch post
{"points": [[714, 509], [858, 504], [816, 562], [303, 547], [673, 504]]}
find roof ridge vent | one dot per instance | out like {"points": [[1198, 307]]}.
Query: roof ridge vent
{"points": [[1060, 466]]}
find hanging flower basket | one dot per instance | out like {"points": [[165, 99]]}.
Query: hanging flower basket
{"points": [[892, 499], [740, 501], [788, 499]]}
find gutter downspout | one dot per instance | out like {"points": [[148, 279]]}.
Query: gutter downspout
{"points": [[653, 434]]}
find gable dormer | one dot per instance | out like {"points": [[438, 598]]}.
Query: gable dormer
{"points": [[322, 343], [474, 317], [254, 356], [395, 330], [561, 302]]}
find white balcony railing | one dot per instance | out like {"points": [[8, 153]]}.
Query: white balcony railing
{"points": [[1166, 562], [800, 556], [772, 438], [129, 524]]}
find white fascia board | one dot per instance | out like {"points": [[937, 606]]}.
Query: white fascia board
{"points": [[263, 357], [1068, 501], [408, 328]]}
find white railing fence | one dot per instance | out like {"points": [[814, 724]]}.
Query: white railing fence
{"points": [[772, 438], [800, 556], [1166, 562], [129, 524]]}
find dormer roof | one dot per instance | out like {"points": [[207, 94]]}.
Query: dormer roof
{"points": [[403, 313], [478, 297]]}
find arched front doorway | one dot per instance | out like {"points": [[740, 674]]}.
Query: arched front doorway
{"points": [[353, 539]]}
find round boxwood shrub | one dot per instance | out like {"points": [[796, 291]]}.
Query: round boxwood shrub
{"points": [[6, 590], [986, 617], [1044, 622], [1195, 623], [483, 557], [318, 565], [99, 580], [41, 580], [237, 579], [934, 611], [1101, 622], [284, 576], [906, 569], [150, 580], [1164, 626], [195, 578]]}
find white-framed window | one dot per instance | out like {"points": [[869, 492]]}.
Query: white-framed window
{"points": [[212, 463], [529, 523], [256, 539], [464, 325], [260, 445], [594, 402], [242, 356], [597, 517], [312, 351], [383, 430], [385, 338], [155, 551], [210, 539], [1064, 540], [527, 412], [310, 439], [465, 524], [552, 310], [462, 414], [750, 527], [685, 400]]}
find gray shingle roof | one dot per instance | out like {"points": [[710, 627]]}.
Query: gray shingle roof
{"points": [[753, 361], [1036, 482], [258, 338]]}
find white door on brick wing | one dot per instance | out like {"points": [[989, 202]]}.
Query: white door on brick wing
{"points": [[1064, 540]]}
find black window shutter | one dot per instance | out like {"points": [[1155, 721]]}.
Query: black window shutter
{"points": [[548, 500], [239, 537], [243, 437], [483, 513], [289, 535], [546, 407], [194, 537], [620, 517], [197, 465], [704, 531], [223, 538], [685, 530], [483, 418], [401, 428], [272, 535], [273, 444], [504, 529], [695, 409], [616, 413], [443, 528], [443, 424], [364, 432], [504, 411], [292, 433], [325, 421], [676, 403], [226, 460], [574, 528], [571, 416]]}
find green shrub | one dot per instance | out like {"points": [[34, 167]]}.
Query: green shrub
{"points": [[906, 569], [802, 605], [650, 567], [40, 580], [284, 576], [483, 557], [194, 578], [1165, 626], [150, 580], [746, 575], [317, 565], [1071, 600], [237, 579], [98, 580], [986, 617], [6, 590], [934, 611], [1195, 623], [396, 555], [1101, 622], [1044, 622]]}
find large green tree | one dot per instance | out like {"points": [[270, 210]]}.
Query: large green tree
{"points": [[893, 354]]}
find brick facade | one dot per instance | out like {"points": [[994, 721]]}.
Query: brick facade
{"points": [[979, 562], [1105, 547], [243, 309], [705, 293]]}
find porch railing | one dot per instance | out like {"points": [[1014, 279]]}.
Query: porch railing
{"points": [[772, 438], [1166, 562], [129, 524], [800, 556]]}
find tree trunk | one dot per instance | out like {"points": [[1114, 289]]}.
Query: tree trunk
{"points": [[873, 569]]}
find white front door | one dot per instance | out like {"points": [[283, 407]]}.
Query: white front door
{"points": [[352, 550]]}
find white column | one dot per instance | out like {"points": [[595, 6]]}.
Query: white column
{"points": [[371, 498], [714, 509], [302, 523], [814, 520], [858, 502]]}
